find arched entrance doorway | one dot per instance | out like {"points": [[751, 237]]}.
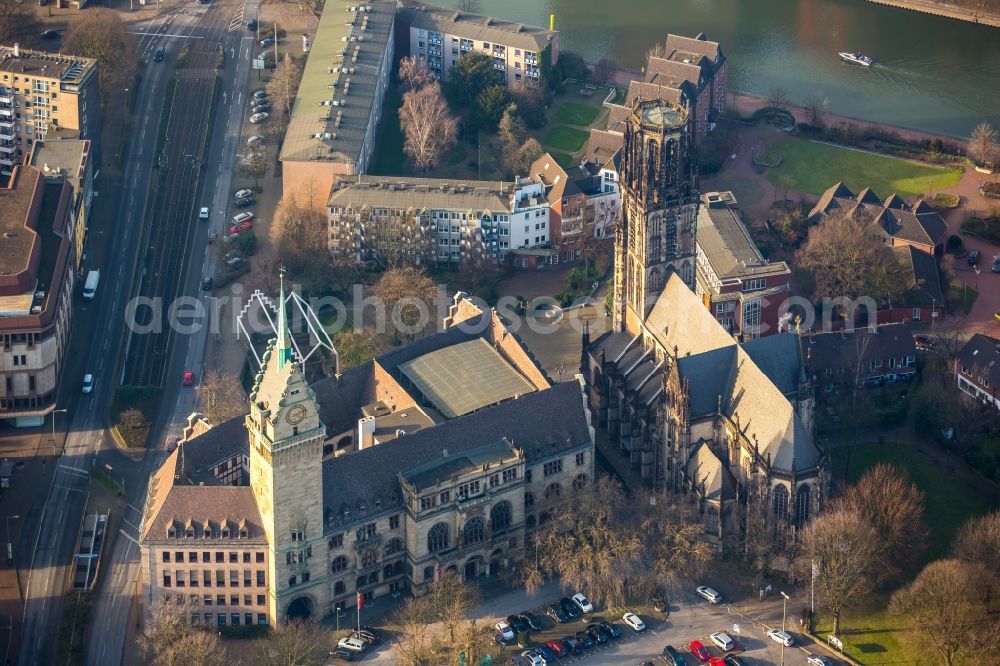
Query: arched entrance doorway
{"points": [[300, 609], [475, 567]]}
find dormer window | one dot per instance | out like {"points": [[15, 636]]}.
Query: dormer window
{"points": [[189, 533], [243, 533], [172, 533], [225, 532]]}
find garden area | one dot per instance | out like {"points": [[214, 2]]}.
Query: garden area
{"points": [[986, 228], [953, 493], [811, 167]]}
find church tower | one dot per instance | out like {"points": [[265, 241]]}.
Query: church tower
{"points": [[286, 473], [659, 209]]}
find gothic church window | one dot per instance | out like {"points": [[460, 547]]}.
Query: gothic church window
{"points": [[780, 495], [500, 516], [437, 538], [474, 532], [802, 497]]}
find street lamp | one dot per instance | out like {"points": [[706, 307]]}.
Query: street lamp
{"points": [[126, 100], [784, 607], [976, 268], [10, 551], [54, 412]]}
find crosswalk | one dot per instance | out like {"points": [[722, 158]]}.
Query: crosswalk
{"points": [[237, 22]]}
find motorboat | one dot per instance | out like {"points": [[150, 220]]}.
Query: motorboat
{"points": [[856, 58]]}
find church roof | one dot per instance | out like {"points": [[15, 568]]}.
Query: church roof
{"points": [[708, 374], [541, 424], [705, 469], [779, 357], [672, 323]]}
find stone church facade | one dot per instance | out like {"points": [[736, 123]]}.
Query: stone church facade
{"points": [[692, 409], [438, 457]]}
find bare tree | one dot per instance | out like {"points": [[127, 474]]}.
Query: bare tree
{"points": [[815, 106], [428, 127], [468, 6], [760, 538], [845, 263], [101, 34], [220, 396], [604, 70], [893, 505], [657, 50], [281, 90], [133, 419], [168, 639], [299, 227], [947, 607], [354, 346], [295, 643], [415, 645], [983, 144], [978, 542], [408, 293], [16, 19], [606, 547], [452, 599], [777, 96], [414, 73], [393, 241], [844, 549], [255, 164], [522, 160]]}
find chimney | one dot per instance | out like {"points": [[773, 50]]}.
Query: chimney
{"points": [[17, 50], [366, 432]]}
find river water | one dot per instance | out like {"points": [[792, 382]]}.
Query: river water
{"points": [[932, 73]]}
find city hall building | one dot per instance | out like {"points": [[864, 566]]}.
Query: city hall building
{"points": [[438, 457]]}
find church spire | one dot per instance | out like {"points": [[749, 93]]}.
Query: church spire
{"points": [[284, 339]]}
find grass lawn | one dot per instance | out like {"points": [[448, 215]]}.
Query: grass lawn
{"points": [[565, 139], [747, 190], [574, 113], [813, 167]]}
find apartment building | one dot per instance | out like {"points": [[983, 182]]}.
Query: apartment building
{"points": [[868, 357], [36, 289], [339, 101], [40, 91], [438, 457], [436, 220], [442, 35], [69, 160], [743, 290], [977, 369]]}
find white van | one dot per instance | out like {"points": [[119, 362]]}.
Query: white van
{"points": [[352, 644], [90, 286]]}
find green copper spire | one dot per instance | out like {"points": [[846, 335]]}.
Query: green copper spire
{"points": [[284, 340]]}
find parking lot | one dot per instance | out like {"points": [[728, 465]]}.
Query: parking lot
{"points": [[691, 618]]}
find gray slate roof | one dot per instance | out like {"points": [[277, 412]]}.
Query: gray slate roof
{"points": [[418, 194], [839, 351], [779, 358], [473, 26], [920, 273], [980, 357], [542, 424]]}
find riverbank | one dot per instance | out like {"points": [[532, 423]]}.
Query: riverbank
{"points": [[947, 11]]}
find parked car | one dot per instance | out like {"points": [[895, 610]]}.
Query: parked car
{"points": [[924, 341], [244, 202], [599, 633], [342, 654], [245, 225], [698, 650], [782, 637], [569, 607], [573, 643], [733, 660], [188, 378], [50, 34], [547, 654], [716, 661], [516, 623], [673, 657], [267, 42], [88, 383], [996, 264], [612, 629], [723, 641], [583, 603], [533, 658], [505, 630], [633, 620], [260, 94], [254, 139], [352, 644], [973, 257], [559, 647], [708, 594], [819, 660], [258, 118], [533, 621], [585, 638], [242, 217], [158, 56], [203, 213], [207, 283], [366, 634], [240, 194], [556, 613], [252, 25]]}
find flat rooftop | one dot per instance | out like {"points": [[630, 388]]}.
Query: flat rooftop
{"points": [[66, 68], [726, 243], [474, 26], [465, 377], [446, 468], [60, 157], [397, 192], [342, 68]]}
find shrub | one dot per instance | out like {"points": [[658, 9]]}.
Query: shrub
{"points": [[955, 244], [992, 190], [945, 200]]}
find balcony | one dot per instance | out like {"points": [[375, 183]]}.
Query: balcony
{"points": [[7, 148], [6, 111], [6, 98], [467, 45], [6, 135], [532, 72], [6, 162], [434, 52], [531, 60]]}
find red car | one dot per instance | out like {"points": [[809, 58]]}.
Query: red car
{"points": [[558, 647], [188, 379], [698, 650], [716, 661], [242, 226]]}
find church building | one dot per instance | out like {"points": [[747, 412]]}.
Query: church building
{"points": [[438, 457], [692, 409]]}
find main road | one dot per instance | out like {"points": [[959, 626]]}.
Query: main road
{"points": [[51, 551]]}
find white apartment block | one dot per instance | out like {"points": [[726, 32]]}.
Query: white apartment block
{"points": [[443, 35]]}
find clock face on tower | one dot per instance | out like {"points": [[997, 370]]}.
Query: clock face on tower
{"points": [[295, 414]]}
